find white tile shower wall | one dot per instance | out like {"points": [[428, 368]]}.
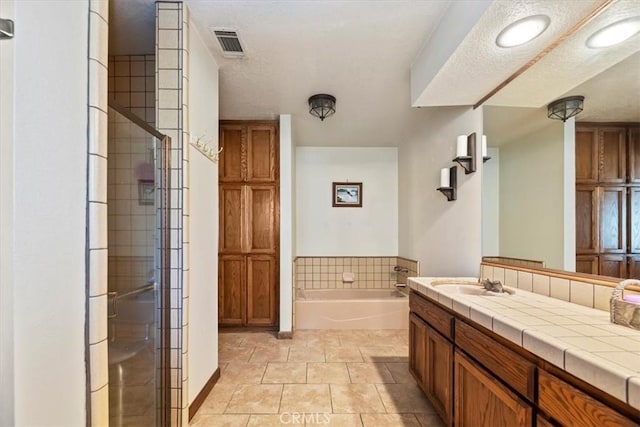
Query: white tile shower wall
{"points": [[98, 401], [170, 54], [369, 272], [132, 84]]}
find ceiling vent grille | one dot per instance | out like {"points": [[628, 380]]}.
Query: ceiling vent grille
{"points": [[229, 42]]}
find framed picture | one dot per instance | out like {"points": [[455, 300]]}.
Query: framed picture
{"points": [[347, 194], [146, 192]]}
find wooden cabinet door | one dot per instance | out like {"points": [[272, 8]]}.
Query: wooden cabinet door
{"points": [[439, 373], [633, 267], [481, 400], [613, 155], [587, 220], [231, 290], [633, 154], [613, 219], [232, 159], [262, 290], [586, 155], [417, 349], [614, 265], [588, 264], [262, 149], [571, 407], [634, 219], [231, 239], [262, 219]]}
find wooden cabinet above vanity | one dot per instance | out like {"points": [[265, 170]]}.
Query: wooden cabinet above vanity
{"points": [[474, 376]]}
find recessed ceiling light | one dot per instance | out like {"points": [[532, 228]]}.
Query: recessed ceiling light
{"points": [[614, 33], [522, 31]]}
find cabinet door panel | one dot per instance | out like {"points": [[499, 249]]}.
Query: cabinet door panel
{"points": [[586, 155], [439, 368], [231, 290], [571, 407], [262, 290], [613, 157], [232, 163], [633, 267], [634, 219], [231, 208], [613, 265], [417, 349], [613, 220], [588, 264], [481, 400], [587, 226], [262, 224], [633, 140], [261, 153]]}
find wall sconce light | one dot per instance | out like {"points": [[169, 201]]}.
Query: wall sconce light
{"points": [[466, 153], [448, 182], [565, 108], [322, 105]]}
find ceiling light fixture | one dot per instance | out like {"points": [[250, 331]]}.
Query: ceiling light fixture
{"points": [[322, 105], [614, 33], [565, 108], [523, 31]]}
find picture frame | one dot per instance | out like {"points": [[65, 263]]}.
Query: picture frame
{"points": [[347, 194], [146, 192]]}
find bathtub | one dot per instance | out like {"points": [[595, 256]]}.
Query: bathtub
{"points": [[351, 309]]}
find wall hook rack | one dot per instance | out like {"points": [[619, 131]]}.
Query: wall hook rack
{"points": [[468, 162], [206, 150], [450, 190]]}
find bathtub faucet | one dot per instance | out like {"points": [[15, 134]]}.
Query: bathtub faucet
{"points": [[400, 269]]}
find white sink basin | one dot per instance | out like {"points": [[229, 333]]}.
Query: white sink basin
{"points": [[469, 289]]}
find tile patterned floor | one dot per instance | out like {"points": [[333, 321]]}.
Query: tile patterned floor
{"points": [[350, 378]]}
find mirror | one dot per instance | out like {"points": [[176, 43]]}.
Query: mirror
{"points": [[529, 200]]}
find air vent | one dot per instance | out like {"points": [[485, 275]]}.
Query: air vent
{"points": [[229, 42]]}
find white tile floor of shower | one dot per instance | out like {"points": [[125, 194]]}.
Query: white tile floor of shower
{"points": [[345, 378]]}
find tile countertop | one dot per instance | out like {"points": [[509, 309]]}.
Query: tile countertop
{"points": [[578, 339]]}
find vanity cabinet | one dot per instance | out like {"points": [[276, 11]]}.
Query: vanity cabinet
{"points": [[481, 400]]}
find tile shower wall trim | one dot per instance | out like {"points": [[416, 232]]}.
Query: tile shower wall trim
{"points": [[171, 59], [369, 272], [559, 285], [97, 359]]}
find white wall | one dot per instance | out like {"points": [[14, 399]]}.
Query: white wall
{"points": [[531, 197], [287, 231], [491, 203], [203, 199], [443, 236], [50, 183], [324, 230], [6, 223], [569, 196]]}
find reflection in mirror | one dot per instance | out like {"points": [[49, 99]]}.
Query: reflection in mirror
{"points": [[529, 186]]}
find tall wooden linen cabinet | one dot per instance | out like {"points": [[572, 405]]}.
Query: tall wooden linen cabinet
{"points": [[249, 191], [608, 199]]}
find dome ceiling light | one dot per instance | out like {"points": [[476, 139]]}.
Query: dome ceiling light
{"points": [[522, 31], [322, 105], [614, 33], [565, 108]]}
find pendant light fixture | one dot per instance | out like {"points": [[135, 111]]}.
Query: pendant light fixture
{"points": [[565, 108], [322, 105]]}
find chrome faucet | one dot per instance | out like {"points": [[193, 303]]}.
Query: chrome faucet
{"points": [[492, 286]]}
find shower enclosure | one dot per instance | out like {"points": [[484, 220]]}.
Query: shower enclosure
{"points": [[138, 275]]}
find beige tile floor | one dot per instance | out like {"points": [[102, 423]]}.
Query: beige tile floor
{"points": [[350, 378]]}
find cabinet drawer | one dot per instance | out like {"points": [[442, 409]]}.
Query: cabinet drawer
{"points": [[505, 364], [571, 407], [439, 319]]}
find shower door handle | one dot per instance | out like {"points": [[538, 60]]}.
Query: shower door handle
{"points": [[6, 29]]}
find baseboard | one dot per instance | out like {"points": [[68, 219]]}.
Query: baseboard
{"points": [[202, 396], [285, 335]]}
